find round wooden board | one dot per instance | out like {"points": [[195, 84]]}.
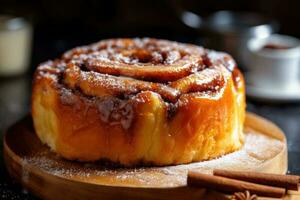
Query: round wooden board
{"points": [[48, 176]]}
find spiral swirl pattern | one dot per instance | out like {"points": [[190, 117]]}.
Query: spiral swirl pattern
{"points": [[126, 66], [124, 80]]}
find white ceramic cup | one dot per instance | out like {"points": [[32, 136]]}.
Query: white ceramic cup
{"points": [[274, 68]]}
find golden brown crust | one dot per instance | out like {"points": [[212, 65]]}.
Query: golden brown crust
{"points": [[140, 101]]}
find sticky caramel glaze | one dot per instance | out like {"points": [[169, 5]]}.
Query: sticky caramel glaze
{"points": [[139, 58], [123, 117]]}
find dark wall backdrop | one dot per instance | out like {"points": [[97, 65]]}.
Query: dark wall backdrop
{"points": [[62, 24]]}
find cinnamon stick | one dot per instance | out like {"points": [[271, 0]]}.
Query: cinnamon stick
{"points": [[230, 185], [289, 182]]}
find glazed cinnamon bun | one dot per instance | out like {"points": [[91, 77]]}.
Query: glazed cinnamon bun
{"points": [[139, 101]]}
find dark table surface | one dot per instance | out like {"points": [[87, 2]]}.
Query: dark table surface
{"points": [[15, 104]]}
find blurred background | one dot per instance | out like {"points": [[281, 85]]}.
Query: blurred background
{"points": [[60, 25], [35, 31]]}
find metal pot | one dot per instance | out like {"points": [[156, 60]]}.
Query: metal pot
{"points": [[230, 31]]}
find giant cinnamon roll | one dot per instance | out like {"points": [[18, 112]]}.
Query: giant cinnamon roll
{"points": [[139, 101]]}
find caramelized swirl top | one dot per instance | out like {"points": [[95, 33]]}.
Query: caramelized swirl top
{"points": [[146, 59], [122, 67]]}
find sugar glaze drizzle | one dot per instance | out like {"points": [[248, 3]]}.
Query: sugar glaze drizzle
{"points": [[114, 72]]}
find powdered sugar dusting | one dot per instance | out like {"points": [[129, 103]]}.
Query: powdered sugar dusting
{"points": [[257, 149]]}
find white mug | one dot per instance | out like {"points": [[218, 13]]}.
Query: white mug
{"points": [[274, 63]]}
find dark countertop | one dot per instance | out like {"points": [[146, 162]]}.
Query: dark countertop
{"points": [[15, 103]]}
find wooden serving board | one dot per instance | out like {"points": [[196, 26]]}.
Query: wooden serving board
{"points": [[50, 177]]}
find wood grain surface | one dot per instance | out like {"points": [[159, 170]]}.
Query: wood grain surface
{"points": [[50, 177]]}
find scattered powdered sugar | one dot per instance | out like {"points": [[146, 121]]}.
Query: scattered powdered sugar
{"points": [[257, 149]]}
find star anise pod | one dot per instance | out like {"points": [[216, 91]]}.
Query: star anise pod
{"points": [[243, 196]]}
